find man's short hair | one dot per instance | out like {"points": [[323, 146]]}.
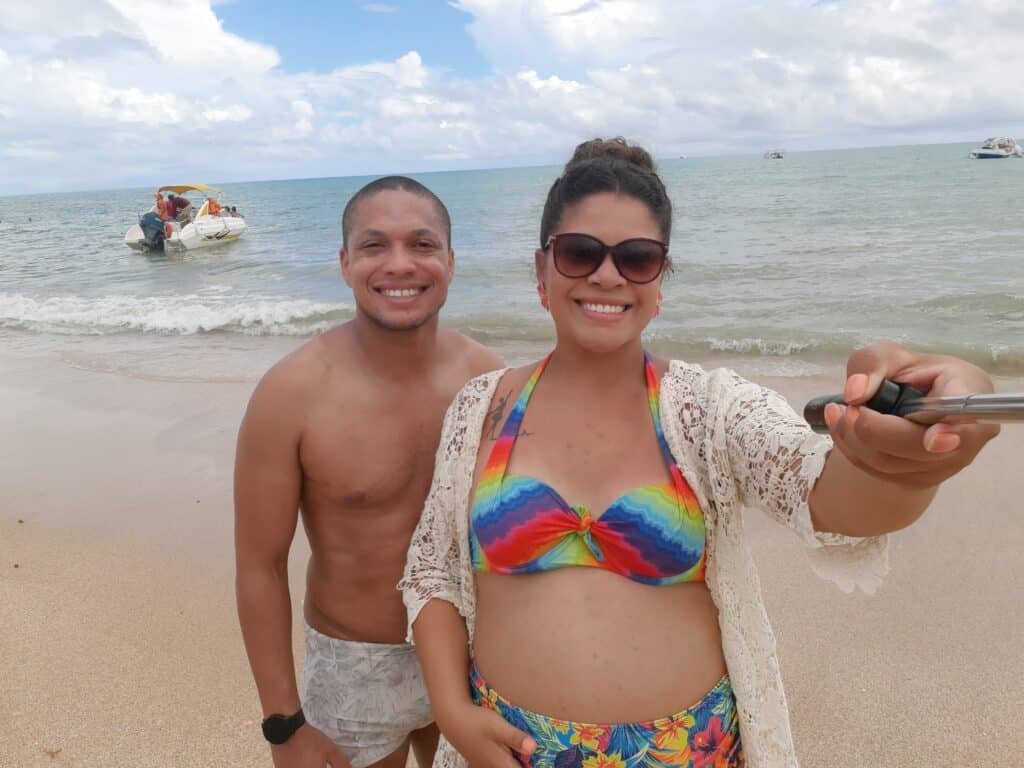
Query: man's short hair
{"points": [[384, 183]]}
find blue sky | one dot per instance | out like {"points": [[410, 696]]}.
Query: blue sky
{"points": [[321, 35], [133, 92]]}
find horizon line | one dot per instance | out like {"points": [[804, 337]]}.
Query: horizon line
{"points": [[482, 169]]}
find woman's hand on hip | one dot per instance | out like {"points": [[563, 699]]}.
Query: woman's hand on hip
{"points": [[486, 739]]}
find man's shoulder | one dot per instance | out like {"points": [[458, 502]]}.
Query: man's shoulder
{"points": [[305, 370], [477, 358]]}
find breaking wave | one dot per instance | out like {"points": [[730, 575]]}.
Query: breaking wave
{"points": [[174, 315]]}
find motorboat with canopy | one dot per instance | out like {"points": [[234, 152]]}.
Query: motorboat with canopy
{"points": [[201, 222]]}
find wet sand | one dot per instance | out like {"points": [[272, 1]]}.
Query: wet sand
{"points": [[120, 643]]}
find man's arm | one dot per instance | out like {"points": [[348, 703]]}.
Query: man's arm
{"points": [[268, 485], [268, 481]]}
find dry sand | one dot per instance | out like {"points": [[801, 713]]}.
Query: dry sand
{"points": [[119, 644]]}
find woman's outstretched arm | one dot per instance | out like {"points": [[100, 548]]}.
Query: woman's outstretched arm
{"points": [[885, 470]]}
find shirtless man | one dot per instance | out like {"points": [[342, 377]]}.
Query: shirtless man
{"points": [[344, 430]]}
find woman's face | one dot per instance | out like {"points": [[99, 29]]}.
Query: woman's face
{"points": [[603, 311]]}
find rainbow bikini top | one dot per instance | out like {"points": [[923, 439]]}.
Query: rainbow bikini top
{"points": [[517, 524]]}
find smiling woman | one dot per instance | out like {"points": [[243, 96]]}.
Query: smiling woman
{"points": [[588, 567]]}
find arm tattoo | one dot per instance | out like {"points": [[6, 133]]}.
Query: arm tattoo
{"points": [[496, 416]]}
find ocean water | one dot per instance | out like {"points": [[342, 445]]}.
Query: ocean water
{"points": [[802, 259]]}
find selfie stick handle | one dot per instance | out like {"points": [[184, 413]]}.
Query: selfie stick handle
{"points": [[895, 399]]}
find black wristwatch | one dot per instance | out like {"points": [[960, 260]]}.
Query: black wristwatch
{"points": [[277, 729]]}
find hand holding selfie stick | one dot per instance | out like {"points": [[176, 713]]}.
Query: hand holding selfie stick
{"points": [[897, 399]]}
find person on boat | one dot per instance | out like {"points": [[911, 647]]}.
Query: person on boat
{"points": [[235, 213], [160, 207], [213, 208], [179, 207], [344, 431], [578, 587]]}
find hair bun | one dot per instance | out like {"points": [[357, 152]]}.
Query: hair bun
{"points": [[607, 165], [617, 148]]}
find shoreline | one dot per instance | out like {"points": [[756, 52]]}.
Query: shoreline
{"points": [[131, 352], [120, 618]]}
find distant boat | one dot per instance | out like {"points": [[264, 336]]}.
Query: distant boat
{"points": [[774, 154], [997, 149], [203, 223]]}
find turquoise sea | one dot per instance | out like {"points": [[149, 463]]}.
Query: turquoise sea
{"points": [[794, 261]]}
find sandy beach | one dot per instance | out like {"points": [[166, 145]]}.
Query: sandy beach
{"points": [[120, 643]]}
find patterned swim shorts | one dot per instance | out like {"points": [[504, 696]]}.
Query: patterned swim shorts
{"points": [[367, 697], [705, 735]]}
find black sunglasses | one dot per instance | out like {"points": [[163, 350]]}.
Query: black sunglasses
{"points": [[639, 259]]}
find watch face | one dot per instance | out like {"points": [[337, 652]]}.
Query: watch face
{"points": [[277, 729]]}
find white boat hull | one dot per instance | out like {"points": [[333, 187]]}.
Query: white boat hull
{"points": [[998, 148], [134, 238], [204, 232]]}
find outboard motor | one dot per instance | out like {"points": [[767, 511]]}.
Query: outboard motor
{"points": [[152, 227]]}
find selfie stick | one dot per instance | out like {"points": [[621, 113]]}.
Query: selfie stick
{"points": [[898, 399]]}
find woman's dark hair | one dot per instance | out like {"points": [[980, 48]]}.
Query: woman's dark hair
{"points": [[607, 165]]}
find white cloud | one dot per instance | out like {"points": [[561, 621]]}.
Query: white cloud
{"points": [[563, 33], [97, 102], [796, 66], [452, 154], [30, 150], [406, 72], [121, 93], [236, 113], [300, 126], [188, 32], [552, 84]]}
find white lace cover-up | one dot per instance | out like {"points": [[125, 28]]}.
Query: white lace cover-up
{"points": [[738, 445]]}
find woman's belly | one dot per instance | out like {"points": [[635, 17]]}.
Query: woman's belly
{"points": [[592, 646]]}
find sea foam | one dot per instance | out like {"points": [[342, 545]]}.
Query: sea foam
{"points": [[182, 315]]}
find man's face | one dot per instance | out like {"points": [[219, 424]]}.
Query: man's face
{"points": [[397, 261]]}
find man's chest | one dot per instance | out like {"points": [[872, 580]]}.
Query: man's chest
{"points": [[365, 454]]}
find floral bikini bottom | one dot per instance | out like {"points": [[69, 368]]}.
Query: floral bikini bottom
{"points": [[705, 735]]}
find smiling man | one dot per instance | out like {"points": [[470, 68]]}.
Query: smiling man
{"points": [[344, 431]]}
